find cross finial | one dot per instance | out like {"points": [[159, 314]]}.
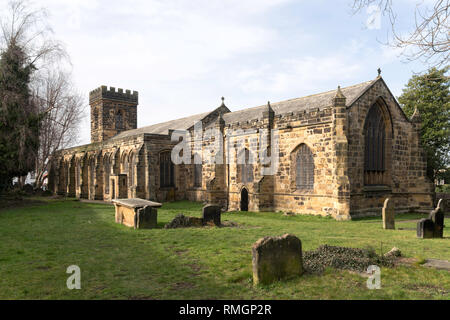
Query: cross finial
{"points": [[379, 71]]}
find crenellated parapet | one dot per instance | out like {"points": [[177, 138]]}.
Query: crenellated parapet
{"points": [[104, 93]]}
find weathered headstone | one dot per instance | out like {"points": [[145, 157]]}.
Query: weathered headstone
{"points": [[127, 211], [275, 258], [181, 221], [425, 229], [437, 216], [433, 226], [146, 218], [211, 213], [388, 214]]}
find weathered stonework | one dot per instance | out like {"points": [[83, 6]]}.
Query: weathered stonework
{"points": [[123, 161]]}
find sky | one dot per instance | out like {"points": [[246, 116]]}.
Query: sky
{"points": [[182, 56]]}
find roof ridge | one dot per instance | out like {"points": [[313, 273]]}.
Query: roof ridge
{"points": [[308, 96], [325, 92]]}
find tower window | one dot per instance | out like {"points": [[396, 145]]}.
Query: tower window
{"points": [[119, 120]]}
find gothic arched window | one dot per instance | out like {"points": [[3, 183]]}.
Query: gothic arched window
{"points": [[245, 166], [375, 141], [304, 168], [107, 170], [132, 166], [198, 168], [166, 170]]}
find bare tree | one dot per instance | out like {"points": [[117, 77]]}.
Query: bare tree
{"points": [[28, 29], [63, 109], [47, 94], [430, 38]]}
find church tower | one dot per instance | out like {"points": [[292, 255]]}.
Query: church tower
{"points": [[112, 112]]}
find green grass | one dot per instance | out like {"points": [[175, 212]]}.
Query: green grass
{"points": [[38, 243]]}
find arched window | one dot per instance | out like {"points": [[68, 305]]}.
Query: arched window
{"points": [[375, 141], [119, 120], [304, 168], [92, 174], [198, 168], [132, 165], [107, 169], [166, 170], [125, 164], [78, 174], [245, 166]]}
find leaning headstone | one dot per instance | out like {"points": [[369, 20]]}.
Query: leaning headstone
{"points": [[146, 218], [275, 258], [425, 229], [388, 214], [211, 213], [437, 216]]}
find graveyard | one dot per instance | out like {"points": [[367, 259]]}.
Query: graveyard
{"points": [[206, 261]]}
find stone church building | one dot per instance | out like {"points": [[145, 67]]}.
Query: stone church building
{"points": [[339, 153]]}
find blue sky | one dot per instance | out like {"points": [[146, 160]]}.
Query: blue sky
{"points": [[182, 56]]}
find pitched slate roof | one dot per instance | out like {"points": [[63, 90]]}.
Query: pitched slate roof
{"points": [[164, 127], [320, 101]]}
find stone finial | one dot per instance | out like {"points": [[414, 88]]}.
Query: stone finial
{"points": [[388, 215], [269, 113], [339, 93], [339, 98], [379, 72], [223, 102]]}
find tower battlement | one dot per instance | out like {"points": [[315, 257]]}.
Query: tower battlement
{"points": [[112, 111], [104, 93]]}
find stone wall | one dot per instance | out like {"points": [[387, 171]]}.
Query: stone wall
{"points": [[334, 134], [406, 180]]}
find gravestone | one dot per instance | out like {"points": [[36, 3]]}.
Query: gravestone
{"points": [[146, 218], [425, 229], [127, 211], [275, 258], [437, 216], [181, 221], [211, 213], [433, 226], [388, 214]]}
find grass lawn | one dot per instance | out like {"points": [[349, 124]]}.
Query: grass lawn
{"points": [[38, 243]]}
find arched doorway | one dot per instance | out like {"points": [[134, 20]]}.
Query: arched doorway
{"points": [[244, 199]]}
